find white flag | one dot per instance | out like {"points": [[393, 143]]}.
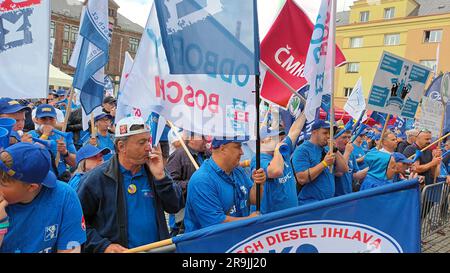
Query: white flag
{"points": [[217, 105], [24, 49], [318, 65], [356, 103], [123, 110]]}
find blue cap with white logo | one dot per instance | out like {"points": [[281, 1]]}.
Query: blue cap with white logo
{"points": [[45, 110], [31, 164], [89, 151], [10, 106]]}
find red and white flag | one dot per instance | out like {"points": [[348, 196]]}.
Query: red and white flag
{"points": [[284, 51]]}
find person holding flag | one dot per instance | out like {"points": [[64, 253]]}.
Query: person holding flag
{"points": [[312, 162], [124, 200], [103, 138], [220, 191], [280, 191]]}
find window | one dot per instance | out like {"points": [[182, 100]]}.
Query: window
{"points": [[356, 42], [433, 36], [431, 64], [73, 34], [389, 13], [347, 91], [66, 32], [134, 44], [65, 56], [392, 39], [352, 67], [364, 16], [52, 29], [111, 13]]}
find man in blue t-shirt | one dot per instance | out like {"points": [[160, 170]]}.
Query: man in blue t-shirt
{"points": [[359, 152], [103, 139], [346, 182], [280, 189], [44, 215], [311, 163], [220, 191], [46, 120]]}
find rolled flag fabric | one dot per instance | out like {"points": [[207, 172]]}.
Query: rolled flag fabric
{"points": [[157, 124], [359, 131], [417, 155], [348, 126]]}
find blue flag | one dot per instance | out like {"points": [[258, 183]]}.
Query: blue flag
{"points": [[434, 92], [367, 221], [379, 117], [210, 37], [91, 54]]}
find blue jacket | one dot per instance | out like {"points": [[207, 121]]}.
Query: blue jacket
{"points": [[102, 196]]}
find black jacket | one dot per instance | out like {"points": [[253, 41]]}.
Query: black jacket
{"points": [[104, 207]]}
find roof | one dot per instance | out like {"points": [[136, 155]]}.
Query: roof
{"points": [[426, 7], [72, 9]]}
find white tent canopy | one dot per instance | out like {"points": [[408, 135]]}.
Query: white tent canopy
{"points": [[59, 78]]}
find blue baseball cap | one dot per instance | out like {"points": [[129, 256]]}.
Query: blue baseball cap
{"points": [[219, 141], [10, 106], [31, 164], [61, 92], [45, 110], [102, 115], [399, 157], [321, 124], [89, 151], [376, 136]]}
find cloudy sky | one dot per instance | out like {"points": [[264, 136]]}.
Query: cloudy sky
{"points": [[138, 10]]}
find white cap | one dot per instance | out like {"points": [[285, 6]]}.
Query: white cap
{"points": [[124, 125]]}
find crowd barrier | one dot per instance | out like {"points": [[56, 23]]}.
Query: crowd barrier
{"points": [[435, 209]]}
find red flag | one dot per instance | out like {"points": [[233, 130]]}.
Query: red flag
{"points": [[284, 51]]}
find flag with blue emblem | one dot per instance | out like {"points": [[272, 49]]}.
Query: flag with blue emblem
{"points": [[318, 67], [157, 124], [210, 37], [434, 93], [371, 221], [92, 54]]}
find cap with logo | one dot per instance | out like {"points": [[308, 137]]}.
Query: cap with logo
{"points": [[401, 158], [109, 99], [10, 106], [45, 110], [219, 141], [102, 115], [31, 164], [131, 126]]}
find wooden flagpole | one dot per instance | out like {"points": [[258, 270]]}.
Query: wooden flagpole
{"points": [[66, 120], [184, 145], [388, 117]]}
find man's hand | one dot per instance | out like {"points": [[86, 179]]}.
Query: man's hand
{"points": [[437, 152], [93, 141], [447, 180], [330, 158], [156, 163], [3, 205], [26, 138], [46, 130], [254, 214], [113, 112], [115, 248], [61, 146], [349, 148], [259, 176], [436, 161]]}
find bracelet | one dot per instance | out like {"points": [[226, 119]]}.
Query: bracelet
{"points": [[44, 137], [4, 225], [3, 231], [4, 220], [325, 164]]}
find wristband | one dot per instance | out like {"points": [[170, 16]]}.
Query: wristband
{"points": [[3, 231], [44, 137], [4, 225], [4, 220], [325, 164]]}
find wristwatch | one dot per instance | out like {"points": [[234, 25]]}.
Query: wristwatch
{"points": [[66, 154]]}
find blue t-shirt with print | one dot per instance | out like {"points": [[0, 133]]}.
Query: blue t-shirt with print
{"points": [[279, 193], [141, 212], [213, 194], [106, 142], [52, 221], [69, 146], [358, 152], [74, 182], [306, 156], [344, 183]]}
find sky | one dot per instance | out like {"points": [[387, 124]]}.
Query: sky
{"points": [[138, 10]]}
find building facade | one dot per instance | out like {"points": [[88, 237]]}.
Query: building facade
{"points": [[417, 30], [65, 21]]}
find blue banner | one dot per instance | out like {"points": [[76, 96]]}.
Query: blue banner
{"points": [[210, 37], [384, 220], [379, 117], [434, 92]]}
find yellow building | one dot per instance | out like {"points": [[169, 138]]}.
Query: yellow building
{"points": [[413, 29]]}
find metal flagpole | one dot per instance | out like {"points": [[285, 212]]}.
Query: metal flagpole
{"points": [[258, 146], [333, 64]]}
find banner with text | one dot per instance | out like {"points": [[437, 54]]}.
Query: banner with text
{"points": [[24, 48], [398, 86], [371, 221]]}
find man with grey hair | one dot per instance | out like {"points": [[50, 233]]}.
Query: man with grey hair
{"points": [[411, 136], [124, 199]]}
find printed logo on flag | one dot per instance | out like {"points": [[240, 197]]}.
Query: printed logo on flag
{"points": [[317, 237]]}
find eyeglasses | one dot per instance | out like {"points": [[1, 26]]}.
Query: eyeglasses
{"points": [[423, 131]]}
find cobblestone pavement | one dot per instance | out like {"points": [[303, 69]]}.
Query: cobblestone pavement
{"points": [[438, 242]]}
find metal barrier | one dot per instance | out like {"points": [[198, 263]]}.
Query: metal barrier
{"points": [[435, 213]]}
